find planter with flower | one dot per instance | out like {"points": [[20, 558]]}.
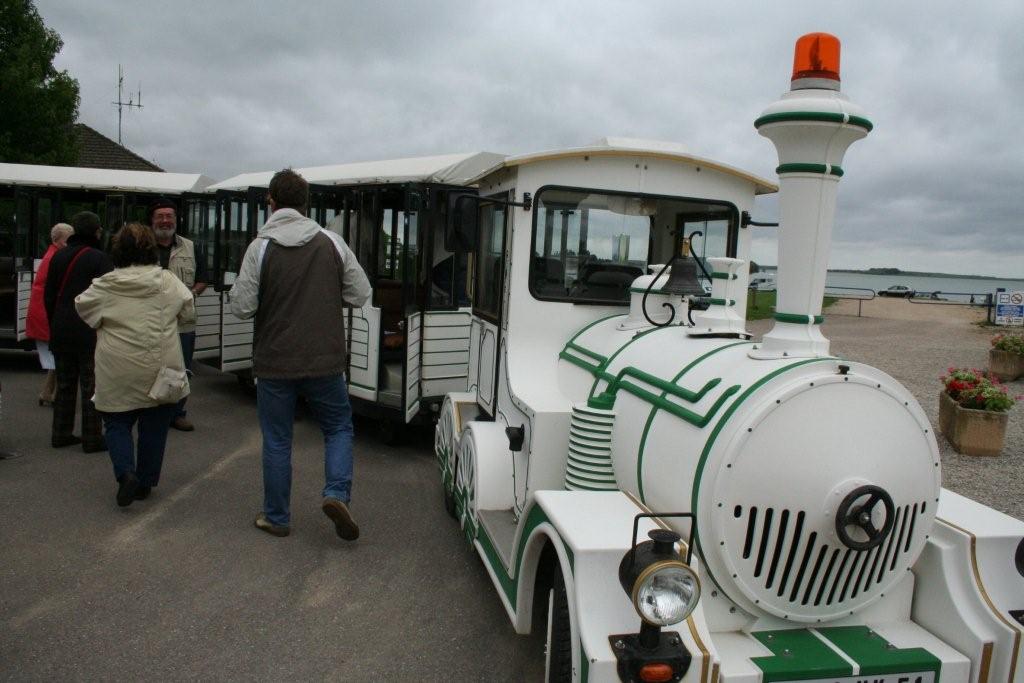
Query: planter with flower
{"points": [[1006, 357], [973, 409]]}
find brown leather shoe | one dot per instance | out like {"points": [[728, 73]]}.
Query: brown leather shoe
{"points": [[182, 425], [338, 513], [264, 524]]}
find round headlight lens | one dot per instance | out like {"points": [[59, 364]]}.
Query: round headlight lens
{"points": [[666, 593]]}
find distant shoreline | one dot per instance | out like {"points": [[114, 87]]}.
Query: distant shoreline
{"points": [[896, 272]]}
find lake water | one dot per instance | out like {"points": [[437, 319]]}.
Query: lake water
{"points": [[953, 288]]}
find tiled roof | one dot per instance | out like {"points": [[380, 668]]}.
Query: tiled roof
{"points": [[99, 151]]}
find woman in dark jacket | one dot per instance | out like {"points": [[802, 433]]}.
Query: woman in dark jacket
{"points": [[72, 270]]}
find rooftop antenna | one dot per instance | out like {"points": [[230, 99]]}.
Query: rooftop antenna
{"points": [[120, 100]]}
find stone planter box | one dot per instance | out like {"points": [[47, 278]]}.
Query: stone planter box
{"points": [[972, 432], [947, 414], [1005, 365]]}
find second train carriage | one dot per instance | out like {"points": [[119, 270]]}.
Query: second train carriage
{"points": [[409, 345], [33, 198]]}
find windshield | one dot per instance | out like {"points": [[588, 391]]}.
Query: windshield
{"points": [[589, 246]]}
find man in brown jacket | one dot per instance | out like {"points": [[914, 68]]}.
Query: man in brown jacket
{"points": [[296, 278]]}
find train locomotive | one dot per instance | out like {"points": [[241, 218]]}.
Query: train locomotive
{"points": [[672, 500]]}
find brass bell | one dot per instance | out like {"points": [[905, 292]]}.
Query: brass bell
{"points": [[683, 279]]}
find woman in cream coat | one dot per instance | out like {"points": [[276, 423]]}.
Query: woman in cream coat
{"points": [[135, 309]]}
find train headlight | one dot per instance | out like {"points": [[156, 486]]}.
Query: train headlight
{"points": [[666, 592], [663, 588]]}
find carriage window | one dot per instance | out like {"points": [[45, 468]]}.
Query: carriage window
{"points": [[234, 235], [410, 255], [588, 247], [489, 266]]}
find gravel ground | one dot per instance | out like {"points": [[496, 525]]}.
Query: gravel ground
{"points": [[917, 353]]}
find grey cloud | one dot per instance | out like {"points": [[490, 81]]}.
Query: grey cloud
{"points": [[235, 87]]}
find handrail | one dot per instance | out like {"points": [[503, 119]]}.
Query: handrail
{"points": [[937, 297], [984, 300], [860, 299]]}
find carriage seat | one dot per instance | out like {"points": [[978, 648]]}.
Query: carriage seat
{"points": [[388, 298]]}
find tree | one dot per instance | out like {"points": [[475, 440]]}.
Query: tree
{"points": [[38, 104]]}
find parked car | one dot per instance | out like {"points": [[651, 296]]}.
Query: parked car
{"points": [[901, 291], [763, 281]]}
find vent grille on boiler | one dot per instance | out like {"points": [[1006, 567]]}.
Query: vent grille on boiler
{"points": [[798, 567]]}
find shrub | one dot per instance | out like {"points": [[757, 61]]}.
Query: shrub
{"points": [[1014, 343]]}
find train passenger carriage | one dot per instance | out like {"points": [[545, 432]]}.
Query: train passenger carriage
{"points": [[33, 198], [408, 345], [672, 501]]}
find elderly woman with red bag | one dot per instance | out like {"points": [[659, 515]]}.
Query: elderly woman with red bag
{"points": [[37, 326]]}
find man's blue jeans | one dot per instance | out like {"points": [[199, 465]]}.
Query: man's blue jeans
{"points": [[328, 398], [188, 347], [154, 424]]}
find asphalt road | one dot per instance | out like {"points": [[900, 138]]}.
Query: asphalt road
{"points": [[182, 586]]}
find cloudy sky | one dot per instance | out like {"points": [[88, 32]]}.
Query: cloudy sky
{"points": [[230, 87]]}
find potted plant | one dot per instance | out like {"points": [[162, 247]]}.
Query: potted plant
{"points": [[973, 411], [1006, 357]]}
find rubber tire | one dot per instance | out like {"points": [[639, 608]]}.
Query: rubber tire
{"points": [[559, 644]]}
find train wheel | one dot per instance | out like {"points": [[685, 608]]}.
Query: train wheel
{"points": [[450, 506], [558, 653], [444, 440], [465, 488]]}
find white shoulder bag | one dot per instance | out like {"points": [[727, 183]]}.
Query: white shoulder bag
{"points": [[170, 386]]}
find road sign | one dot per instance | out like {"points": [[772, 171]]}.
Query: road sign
{"points": [[1010, 308]]}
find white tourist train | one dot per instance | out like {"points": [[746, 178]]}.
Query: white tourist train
{"points": [[33, 198], [665, 498], [672, 501]]}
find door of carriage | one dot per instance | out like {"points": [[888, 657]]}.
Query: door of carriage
{"points": [[395, 275], [445, 328], [16, 211], [236, 216], [353, 214], [197, 220], [36, 211]]}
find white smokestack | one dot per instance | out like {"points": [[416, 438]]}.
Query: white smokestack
{"points": [[811, 126]]}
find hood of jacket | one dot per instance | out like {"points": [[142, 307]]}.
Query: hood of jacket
{"points": [[133, 281], [289, 228], [84, 240]]}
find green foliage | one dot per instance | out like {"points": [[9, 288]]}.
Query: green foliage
{"points": [[761, 304], [975, 389], [1014, 343], [38, 104]]}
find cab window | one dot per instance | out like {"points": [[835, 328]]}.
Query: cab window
{"points": [[589, 246], [489, 264]]}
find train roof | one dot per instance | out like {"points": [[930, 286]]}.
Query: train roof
{"points": [[616, 146], [448, 169], [75, 177]]}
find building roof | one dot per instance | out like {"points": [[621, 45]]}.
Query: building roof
{"points": [[98, 151], [102, 179], [449, 169], [614, 146]]}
